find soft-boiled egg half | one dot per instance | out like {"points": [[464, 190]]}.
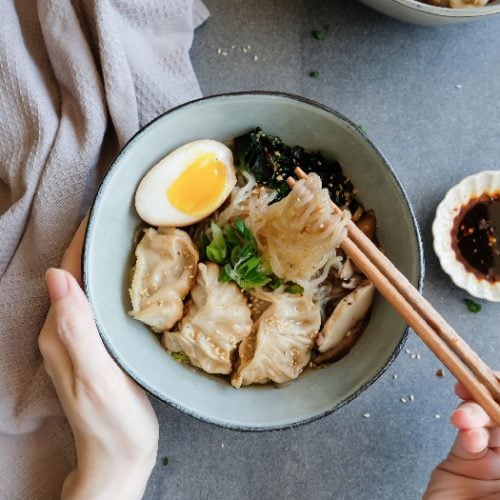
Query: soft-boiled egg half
{"points": [[187, 185]]}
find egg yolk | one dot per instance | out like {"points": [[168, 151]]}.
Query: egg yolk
{"points": [[199, 186]]}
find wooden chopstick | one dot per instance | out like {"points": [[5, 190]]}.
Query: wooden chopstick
{"points": [[420, 304], [436, 333]]}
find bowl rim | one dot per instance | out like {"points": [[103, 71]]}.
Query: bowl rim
{"points": [[135, 376], [463, 13]]}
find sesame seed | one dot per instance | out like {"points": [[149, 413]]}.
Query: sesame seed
{"points": [[395, 376], [407, 351], [413, 356], [418, 356], [403, 400], [255, 58], [437, 416], [366, 415], [219, 51], [222, 445], [458, 86], [412, 397]]}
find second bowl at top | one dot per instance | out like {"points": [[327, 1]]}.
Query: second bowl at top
{"points": [[417, 12], [109, 246]]}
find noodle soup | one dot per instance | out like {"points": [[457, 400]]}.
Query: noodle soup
{"points": [[258, 288]]}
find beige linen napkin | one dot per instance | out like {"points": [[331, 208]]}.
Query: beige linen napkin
{"points": [[77, 79]]}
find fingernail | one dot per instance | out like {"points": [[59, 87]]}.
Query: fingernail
{"points": [[57, 283], [478, 440], [466, 409], [478, 433]]}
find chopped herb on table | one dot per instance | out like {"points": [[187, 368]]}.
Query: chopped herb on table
{"points": [[271, 162], [314, 74], [235, 248], [472, 306], [319, 35], [165, 461]]}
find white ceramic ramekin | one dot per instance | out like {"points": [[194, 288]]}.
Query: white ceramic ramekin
{"points": [[459, 195]]}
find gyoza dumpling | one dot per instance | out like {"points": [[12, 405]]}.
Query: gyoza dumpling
{"points": [[281, 342], [218, 318], [164, 273]]}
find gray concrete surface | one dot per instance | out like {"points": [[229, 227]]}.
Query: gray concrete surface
{"points": [[428, 97]]}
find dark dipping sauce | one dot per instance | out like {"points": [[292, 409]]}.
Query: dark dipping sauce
{"points": [[475, 236]]}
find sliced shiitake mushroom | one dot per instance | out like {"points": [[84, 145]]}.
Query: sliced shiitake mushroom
{"points": [[368, 224], [347, 270], [352, 282], [344, 346], [349, 312]]}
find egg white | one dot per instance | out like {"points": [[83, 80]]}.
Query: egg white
{"points": [[151, 201]]}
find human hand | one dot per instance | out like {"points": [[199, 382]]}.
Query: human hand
{"points": [[113, 423], [472, 469]]}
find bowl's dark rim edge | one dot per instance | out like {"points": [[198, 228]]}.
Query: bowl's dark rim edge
{"points": [[186, 411], [449, 13]]}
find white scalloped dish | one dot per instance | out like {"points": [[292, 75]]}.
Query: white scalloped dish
{"points": [[444, 230]]}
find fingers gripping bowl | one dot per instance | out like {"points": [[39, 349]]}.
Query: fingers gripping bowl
{"points": [[109, 248]]}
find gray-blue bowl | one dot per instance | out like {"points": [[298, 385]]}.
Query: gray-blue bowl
{"points": [[109, 247]]}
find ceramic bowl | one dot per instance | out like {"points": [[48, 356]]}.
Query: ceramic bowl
{"points": [[487, 182], [108, 252], [416, 12]]}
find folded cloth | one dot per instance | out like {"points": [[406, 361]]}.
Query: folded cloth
{"points": [[77, 80]]}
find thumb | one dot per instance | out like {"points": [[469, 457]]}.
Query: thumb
{"points": [[75, 324]]}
